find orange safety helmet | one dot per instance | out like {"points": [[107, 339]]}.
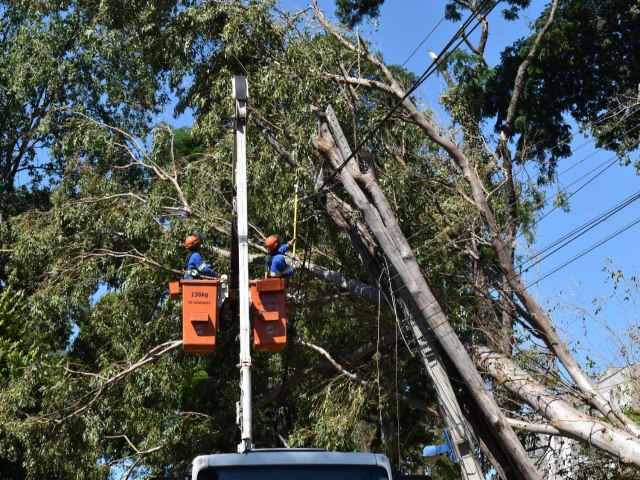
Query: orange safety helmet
{"points": [[191, 242], [272, 242]]}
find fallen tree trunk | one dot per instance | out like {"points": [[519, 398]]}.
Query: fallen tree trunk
{"points": [[560, 415]]}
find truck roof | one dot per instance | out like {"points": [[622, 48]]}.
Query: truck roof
{"points": [[291, 456]]}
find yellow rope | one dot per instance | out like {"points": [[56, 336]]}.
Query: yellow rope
{"points": [[295, 219]]}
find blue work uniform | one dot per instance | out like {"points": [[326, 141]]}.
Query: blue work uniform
{"points": [[196, 267], [278, 266]]}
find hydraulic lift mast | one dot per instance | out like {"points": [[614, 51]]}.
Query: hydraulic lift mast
{"points": [[244, 412]]}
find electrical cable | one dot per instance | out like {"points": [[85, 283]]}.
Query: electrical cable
{"points": [[428, 72], [415, 86], [564, 189], [587, 142], [422, 42], [578, 232], [609, 163], [605, 165], [601, 218], [304, 269], [587, 250]]}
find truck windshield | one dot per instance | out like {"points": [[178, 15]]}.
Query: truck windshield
{"points": [[295, 472]]}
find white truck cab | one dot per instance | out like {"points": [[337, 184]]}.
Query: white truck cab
{"points": [[291, 464]]}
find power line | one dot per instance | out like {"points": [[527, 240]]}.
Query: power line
{"points": [[587, 250], [423, 40], [612, 158], [416, 85], [578, 232], [575, 234], [604, 165], [428, 72]]}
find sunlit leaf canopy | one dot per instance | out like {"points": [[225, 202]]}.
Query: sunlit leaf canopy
{"points": [[91, 240]]}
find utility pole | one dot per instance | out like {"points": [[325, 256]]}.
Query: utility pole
{"points": [[244, 407]]}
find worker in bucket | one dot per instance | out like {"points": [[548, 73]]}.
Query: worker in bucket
{"points": [[197, 268], [275, 265]]}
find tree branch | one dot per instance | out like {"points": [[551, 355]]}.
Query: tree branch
{"points": [[522, 70], [534, 427], [94, 395], [360, 82], [562, 416]]}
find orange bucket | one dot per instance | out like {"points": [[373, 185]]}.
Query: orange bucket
{"points": [[268, 314], [199, 315]]}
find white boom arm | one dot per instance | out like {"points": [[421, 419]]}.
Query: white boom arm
{"points": [[245, 417]]}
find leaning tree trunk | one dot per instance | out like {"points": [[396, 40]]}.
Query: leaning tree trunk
{"points": [[379, 217], [374, 264]]}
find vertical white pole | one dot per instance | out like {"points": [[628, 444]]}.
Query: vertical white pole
{"points": [[240, 95]]}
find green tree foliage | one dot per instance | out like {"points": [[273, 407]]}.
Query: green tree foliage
{"points": [[88, 256], [351, 12], [116, 61], [57, 54], [586, 71], [112, 239]]}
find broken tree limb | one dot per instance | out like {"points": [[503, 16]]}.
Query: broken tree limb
{"points": [[97, 393], [560, 415]]}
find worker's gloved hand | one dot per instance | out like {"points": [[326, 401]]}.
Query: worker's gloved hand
{"points": [[292, 241]]}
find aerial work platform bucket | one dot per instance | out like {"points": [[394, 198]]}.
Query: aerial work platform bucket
{"points": [[268, 314], [199, 313]]}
